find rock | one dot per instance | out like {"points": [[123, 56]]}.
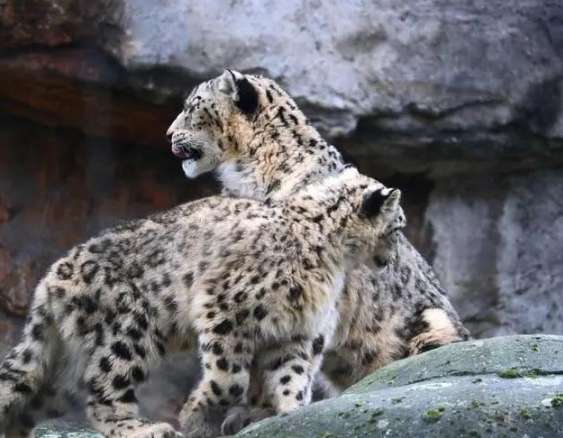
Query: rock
{"points": [[528, 355], [429, 86], [496, 244], [10, 329], [65, 429], [55, 22], [57, 94], [62, 188], [4, 212], [16, 285], [502, 386], [5, 264], [462, 65], [495, 387], [3, 348], [458, 103]]}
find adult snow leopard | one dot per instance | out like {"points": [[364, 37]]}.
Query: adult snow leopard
{"points": [[252, 134]]}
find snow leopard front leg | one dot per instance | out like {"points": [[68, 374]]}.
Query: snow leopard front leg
{"points": [[226, 356], [288, 372]]}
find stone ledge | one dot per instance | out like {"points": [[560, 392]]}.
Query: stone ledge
{"points": [[493, 387]]}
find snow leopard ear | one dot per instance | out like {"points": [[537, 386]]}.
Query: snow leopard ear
{"points": [[381, 201], [226, 82], [240, 90]]}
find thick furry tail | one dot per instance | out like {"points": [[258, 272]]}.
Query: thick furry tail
{"points": [[27, 367]]}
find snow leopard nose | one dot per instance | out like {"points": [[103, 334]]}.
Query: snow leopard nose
{"points": [[170, 131]]}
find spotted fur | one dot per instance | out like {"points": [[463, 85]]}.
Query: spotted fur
{"points": [[254, 282], [388, 312]]}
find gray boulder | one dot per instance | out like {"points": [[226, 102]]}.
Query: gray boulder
{"points": [[65, 429], [506, 386], [432, 85], [413, 68], [497, 245], [511, 386]]}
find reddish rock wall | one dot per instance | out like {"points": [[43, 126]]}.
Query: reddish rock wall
{"points": [[58, 187]]}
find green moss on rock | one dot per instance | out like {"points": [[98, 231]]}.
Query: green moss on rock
{"points": [[510, 373], [455, 390], [557, 401], [433, 415], [473, 358]]}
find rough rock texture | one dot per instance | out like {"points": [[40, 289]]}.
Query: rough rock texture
{"points": [[441, 98], [65, 429], [433, 77], [59, 93], [460, 104], [508, 386], [56, 22], [70, 426], [498, 247], [442, 85], [58, 188]]}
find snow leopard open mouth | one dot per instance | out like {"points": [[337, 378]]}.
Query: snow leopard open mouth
{"points": [[185, 152]]}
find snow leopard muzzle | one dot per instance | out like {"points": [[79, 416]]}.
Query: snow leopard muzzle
{"points": [[186, 152]]}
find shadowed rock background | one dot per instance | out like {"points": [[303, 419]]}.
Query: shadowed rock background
{"points": [[458, 103]]}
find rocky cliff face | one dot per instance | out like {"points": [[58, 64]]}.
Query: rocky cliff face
{"points": [[461, 104]]}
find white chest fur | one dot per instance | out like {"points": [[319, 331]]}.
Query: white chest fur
{"points": [[240, 182], [329, 316]]}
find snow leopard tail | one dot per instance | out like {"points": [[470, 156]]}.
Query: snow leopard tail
{"points": [[28, 372]]}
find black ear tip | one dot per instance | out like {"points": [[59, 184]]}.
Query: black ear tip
{"points": [[247, 96], [373, 202]]}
